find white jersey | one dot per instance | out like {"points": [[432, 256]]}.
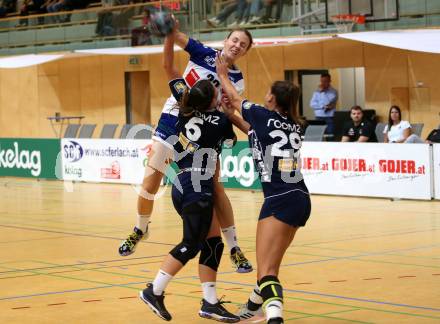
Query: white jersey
{"points": [[201, 66]]}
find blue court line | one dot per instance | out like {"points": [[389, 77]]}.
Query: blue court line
{"points": [[340, 297], [72, 290], [32, 240], [372, 236], [78, 264], [78, 234]]}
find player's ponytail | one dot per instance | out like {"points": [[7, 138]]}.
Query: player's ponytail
{"points": [[286, 96], [199, 97]]}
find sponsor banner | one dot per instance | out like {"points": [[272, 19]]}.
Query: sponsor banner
{"points": [[237, 169], [104, 160], [368, 169], [436, 164], [29, 157]]}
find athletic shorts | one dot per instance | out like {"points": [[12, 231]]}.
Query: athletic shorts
{"points": [[292, 207], [189, 195], [166, 127]]}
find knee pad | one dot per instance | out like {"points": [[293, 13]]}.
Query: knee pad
{"points": [[271, 289], [185, 251], [211, 253]]}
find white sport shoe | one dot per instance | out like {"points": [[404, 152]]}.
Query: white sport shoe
{"points": [[245, 313], [213, 22], [233, 25]]}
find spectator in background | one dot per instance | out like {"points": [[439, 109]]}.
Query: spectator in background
{"points": [[111, 22], [34, 6], [7, 6], [141, 35], [238, 6], [267, 15], [324, 101], [434, 136], [397, 130], [358, 129]]}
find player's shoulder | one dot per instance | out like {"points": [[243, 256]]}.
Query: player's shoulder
{"points": [[249, 105], [178, 85]]}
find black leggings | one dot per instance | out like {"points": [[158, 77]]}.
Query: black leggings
{"points": [[197, 219]]}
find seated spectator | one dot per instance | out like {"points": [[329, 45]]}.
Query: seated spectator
{"points": [[358, 130], [238, 6], [267, 12], [34, 6], [398, 130], [7, 6], [141, 35], [110, 22], [434, 136]]}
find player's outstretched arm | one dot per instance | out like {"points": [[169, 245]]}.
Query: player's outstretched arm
{"points": [[168, 57], [180, 38], [222, 71], [239, 122]]}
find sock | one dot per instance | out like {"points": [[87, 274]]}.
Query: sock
{"points": [[255, 300], [274, 309], [209, 292], [142, 222], [230, 236], [161, 282]]}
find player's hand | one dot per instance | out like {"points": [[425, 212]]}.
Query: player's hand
{"points": [[221, 65], [228, 110], [176, 24]]}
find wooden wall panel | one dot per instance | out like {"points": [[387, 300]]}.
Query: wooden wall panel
{"points": [[264, 66], [9, 103], [303, 56], [113, 90], [94, 86], [338, 53], [49, 102], [29, 111], [159, 90], [69, 87], [424, 82], [91, 89], [385, 69]]}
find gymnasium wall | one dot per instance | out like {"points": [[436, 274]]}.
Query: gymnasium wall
{"points": [[93, 86]]}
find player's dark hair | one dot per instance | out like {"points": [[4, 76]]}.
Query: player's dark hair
{"points": [[359, 108], [390, 121], [326, 75], [286, 96], [246, 32], [199, 97]]}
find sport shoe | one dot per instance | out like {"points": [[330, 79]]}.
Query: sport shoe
{"points": [[245, 313], [128, 246], [217, 312], [239, 261], [213, 22], [275, 320], [233, 24], [155, 302]]}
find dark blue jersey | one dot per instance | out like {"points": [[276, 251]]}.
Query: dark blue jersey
{"points": [[275, 141], [200, 135]]}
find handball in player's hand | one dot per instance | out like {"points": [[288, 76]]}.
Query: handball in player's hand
{"points": [[162, 23]]}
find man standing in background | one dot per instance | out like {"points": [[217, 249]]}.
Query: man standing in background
{"points": [[324, 101]]}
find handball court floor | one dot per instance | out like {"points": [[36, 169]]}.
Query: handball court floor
{"points": [[358, 260]]}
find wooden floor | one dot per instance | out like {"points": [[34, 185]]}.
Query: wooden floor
{"points": [[357, 260]]}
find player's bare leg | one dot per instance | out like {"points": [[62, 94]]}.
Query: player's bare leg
{"points": [[223, 211], [158, 160], [210, 256], [273, 239]]}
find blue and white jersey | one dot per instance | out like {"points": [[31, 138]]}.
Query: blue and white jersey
{"points": [[275, 141], [201, 65]]}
